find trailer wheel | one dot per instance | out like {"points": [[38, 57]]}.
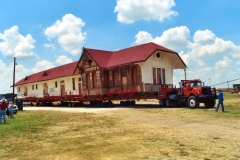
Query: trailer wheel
{"points": [[100, 104], [132, 103], [162, 102], [210, 103], [193, 102]]}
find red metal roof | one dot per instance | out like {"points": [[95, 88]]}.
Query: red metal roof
{"points": [[108, 59], [57, 72]]}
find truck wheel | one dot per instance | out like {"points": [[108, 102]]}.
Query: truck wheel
{"points": [[162, 102], [210, 103], [193, 102], [169, 102]]}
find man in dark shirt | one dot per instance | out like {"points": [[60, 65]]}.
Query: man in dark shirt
{"points": [[3, 107]]}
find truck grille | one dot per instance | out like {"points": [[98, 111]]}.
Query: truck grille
{"points": [[206, 91]]}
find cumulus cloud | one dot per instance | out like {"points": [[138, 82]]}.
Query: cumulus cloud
{"points": [[42, 65], [63, 60], [201, 63], [131, 11], [173, 38], [16, 45], [204, 37], [223, 64], [50, 45], [143, 37], [6, 72], [68, 32]]}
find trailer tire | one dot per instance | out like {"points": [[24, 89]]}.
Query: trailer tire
{"points": [[193, 102], [210, 103], [133, 102]]}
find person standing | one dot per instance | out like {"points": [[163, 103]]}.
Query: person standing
{"points": [[3, 107], [10, 109], [220, 99]]}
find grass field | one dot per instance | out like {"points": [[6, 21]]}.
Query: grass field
{"points": [[126, 133]]}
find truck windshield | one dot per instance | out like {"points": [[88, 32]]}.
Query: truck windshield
{"points": [[196, 84]]}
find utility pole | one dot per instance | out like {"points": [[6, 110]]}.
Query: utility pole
{"points": [[13, 78], [209, 81], [185, 73]]}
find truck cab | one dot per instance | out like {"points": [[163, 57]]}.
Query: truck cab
{"points": [[190, 93]]}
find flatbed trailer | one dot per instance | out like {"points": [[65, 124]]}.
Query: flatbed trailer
{"points": [[126, 97]]}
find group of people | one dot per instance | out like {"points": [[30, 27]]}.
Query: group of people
{"points": [[6, 109]]}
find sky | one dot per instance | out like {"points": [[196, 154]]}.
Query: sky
{"points": [[42, 34]]}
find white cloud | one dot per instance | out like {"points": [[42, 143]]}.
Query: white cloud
{"points": [[224, 64], [50, 45], [218, 47], [173, 38], [204, 37], [130, 11], [201, 63], [42, 65], [6, 77], [68, 32], [143, 37], [63, 59], [15, 44]]}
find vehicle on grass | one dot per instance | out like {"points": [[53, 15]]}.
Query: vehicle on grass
{"points": [[190, 93]]}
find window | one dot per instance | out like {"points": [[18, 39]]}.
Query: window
{"points": [[36, 87], [73, 83], [159, 76], [134, 75], [32, 87], [18, 89], [124, 73], [88, 80], [55, 84], [94, 80], [154, 75], [115, 75], [195, 84], [105, 77], [163, 76]]}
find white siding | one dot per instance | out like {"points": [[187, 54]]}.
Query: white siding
{"points": [[52, 90], [163, 62]]}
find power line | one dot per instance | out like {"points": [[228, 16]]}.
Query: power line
{"points": [[226, 82]]}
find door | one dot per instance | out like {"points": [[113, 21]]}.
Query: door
{"points": [[124, 79], [63, 90], [80, 88], [45, 89]]}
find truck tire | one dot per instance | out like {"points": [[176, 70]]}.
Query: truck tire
{"points": [[193, 102], [162, 103], [169, 102], [210, 103]]}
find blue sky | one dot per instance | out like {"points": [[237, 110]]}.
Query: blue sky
{"points": [[42, 34]]}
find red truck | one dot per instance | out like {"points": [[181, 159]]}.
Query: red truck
{"points": [[190, 93]]}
